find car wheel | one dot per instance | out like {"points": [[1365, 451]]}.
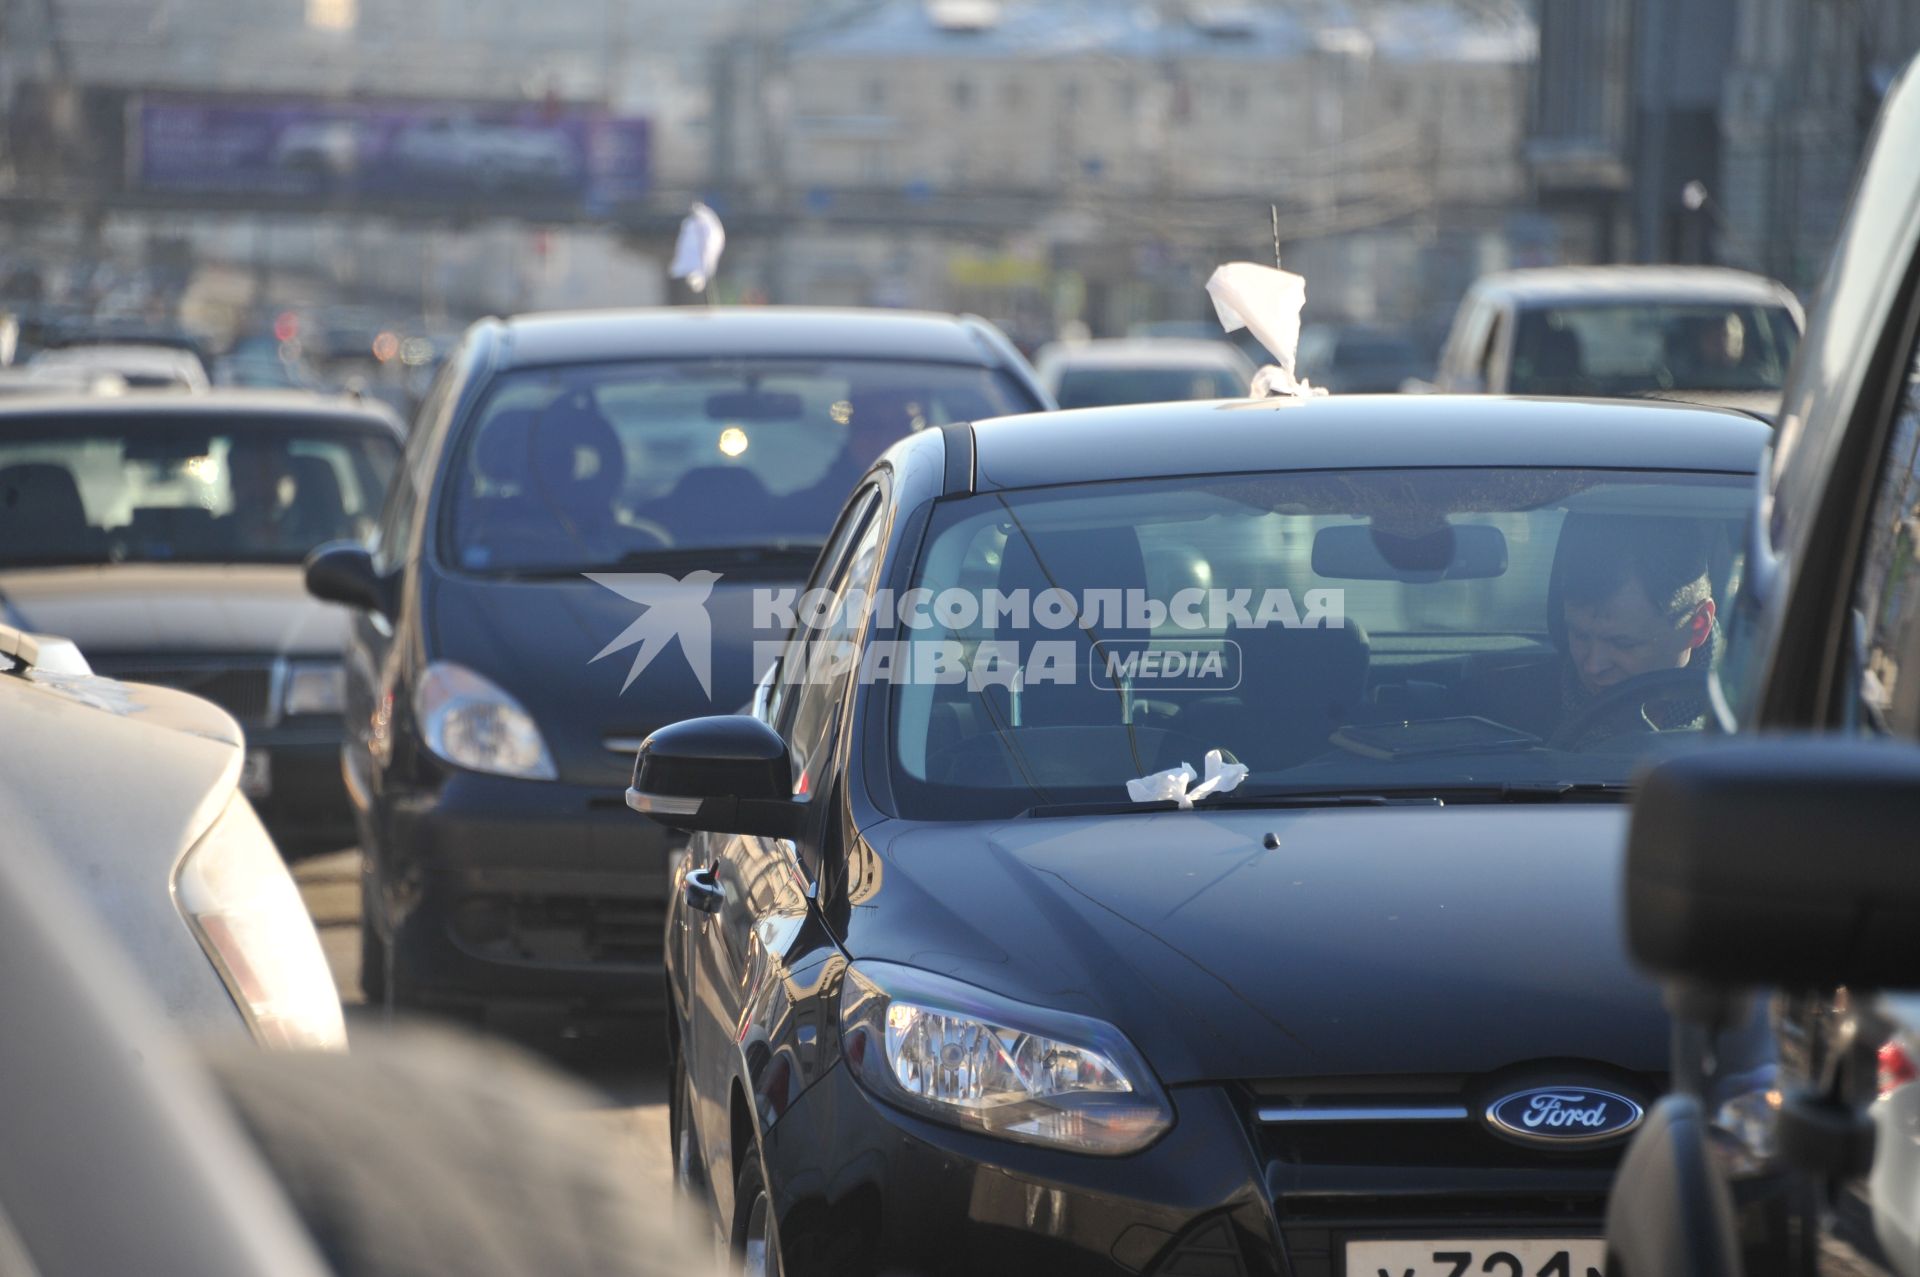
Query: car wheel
{"points": [[373, 949], [689, 1172], [756, 1234]]}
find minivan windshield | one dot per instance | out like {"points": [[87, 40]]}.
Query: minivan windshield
{"points": [[224, 489], [581, 468], [1630, 349], [1471, 632]]}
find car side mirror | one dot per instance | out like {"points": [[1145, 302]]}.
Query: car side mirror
{"points": [[1785, 862], [728, 774], [342, 572]]}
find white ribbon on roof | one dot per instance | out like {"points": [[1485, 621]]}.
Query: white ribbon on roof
{"points": [[1267, 302], [696, 255]]}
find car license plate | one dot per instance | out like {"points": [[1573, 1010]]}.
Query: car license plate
{"points": [[1479, 1256], [256, 774]]}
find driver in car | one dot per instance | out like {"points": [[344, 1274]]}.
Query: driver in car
{"points": [[1636, 601]]}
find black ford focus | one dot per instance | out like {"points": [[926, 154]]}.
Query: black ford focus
{"points": [[1183, 840]]}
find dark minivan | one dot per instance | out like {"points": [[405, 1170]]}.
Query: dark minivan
{"points": [[568, 561]]}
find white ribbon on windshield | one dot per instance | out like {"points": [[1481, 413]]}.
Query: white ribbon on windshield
{"points": [[1173, 784]]}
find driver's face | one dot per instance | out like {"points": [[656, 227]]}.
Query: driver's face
{"points": [[1626, 636]]}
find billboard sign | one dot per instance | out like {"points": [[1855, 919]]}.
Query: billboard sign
{"points": [[538, 152]]}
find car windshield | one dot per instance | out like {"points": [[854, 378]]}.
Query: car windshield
{"points": [[578, 468], [1370, 632], [1640, 349], [97, 490], [1096, 387]]}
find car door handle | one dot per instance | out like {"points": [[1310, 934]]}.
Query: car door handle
{"points": [[703, 893]]}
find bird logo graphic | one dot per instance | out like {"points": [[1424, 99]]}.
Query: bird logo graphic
{"points": [[676, 608]]}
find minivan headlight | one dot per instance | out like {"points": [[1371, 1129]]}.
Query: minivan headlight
{"points": [[966, 1057], [237, 896], [471, 722]]}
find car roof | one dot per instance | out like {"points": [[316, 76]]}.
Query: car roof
{"points": [[1605, 285], [159, 407], [1145, 352], [117, 354], [680, 332], [1359, 432]]}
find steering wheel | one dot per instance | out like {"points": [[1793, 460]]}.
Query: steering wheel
{"points": [[1624, 706]]}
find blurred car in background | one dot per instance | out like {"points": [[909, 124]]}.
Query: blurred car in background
{"points": [[1695, 333], [164, 535], [141, 367], [1098, 374], [1356, 359], [571, 479], [265, 363], [55, 380], [177, 864]]}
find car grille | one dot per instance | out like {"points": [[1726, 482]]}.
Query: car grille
{"points": [[1353, 1158], [599, 930], [242, 687]]}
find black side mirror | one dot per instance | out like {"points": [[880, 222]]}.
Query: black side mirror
{"points": [[729, 774], [1785, 862], [342, 572]]}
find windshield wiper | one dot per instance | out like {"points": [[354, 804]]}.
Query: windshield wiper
{"points": [[1413, 796], [784, 554], [1282, 799]]}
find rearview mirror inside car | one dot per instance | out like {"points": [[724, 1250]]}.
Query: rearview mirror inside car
{"points": [[1454, 552], [729, 774], [342, 572], [755, 405], [1787, 862]]}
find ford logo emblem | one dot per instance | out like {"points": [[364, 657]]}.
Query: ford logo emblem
{"points": [[1562, 1116]]}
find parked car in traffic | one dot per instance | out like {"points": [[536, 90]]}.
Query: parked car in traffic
{"points": [[141, 367], [176, 863], [1220, 875], [1696, 333], [577, 489], [164, 535], [1096, 374], [1788, 863], [1359, 359]]}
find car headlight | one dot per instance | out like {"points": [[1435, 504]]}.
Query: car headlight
{"points": [[966, 1057], [472, 723], [315, 687], [240, 900]]}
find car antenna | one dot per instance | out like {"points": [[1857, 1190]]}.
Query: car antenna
{"points": [[1275, 210]]}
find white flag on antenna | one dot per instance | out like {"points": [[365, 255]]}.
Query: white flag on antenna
{"points": [[696, 256], [1266, 302]]}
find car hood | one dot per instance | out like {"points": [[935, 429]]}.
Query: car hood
{"points": [[186, 608], [539, 639], [1450, 940]]}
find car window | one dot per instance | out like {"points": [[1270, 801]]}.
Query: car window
{"points": [[141, 491], [393, 542], [1886, 602], [822, 685], [612, 465], [1641, 349], [1098, 387], [1342, 631], [778, 708]]}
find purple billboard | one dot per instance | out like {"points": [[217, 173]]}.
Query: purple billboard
{"points": [[388, 150]]}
